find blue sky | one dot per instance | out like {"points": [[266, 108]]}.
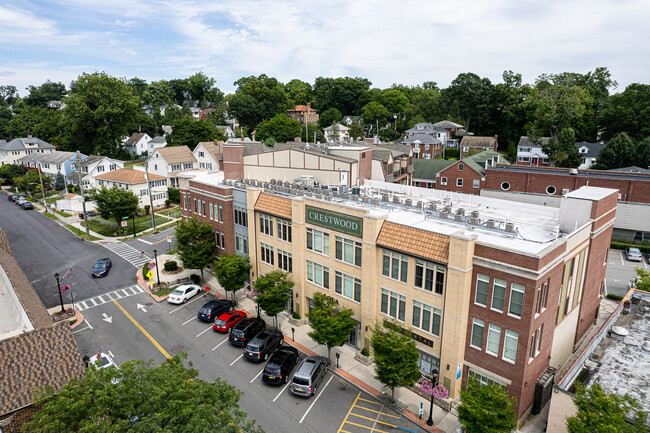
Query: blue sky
{"points": [[407, 42]]}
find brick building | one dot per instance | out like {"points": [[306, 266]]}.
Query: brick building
{"points": [[303, 114]]}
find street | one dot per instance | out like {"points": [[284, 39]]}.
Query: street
{"points": [[620, 272]]}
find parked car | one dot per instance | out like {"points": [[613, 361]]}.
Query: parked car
{"points": [[245, 330], [27, 205], [308, 376], [279, 367], [227, 320], [183, 293], [13, 197], [90, 213], [633, 254], [101, 268], [20, 200], [214, 309], [263, 345]]}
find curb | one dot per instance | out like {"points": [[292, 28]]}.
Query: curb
{"points": [[146, 286]]}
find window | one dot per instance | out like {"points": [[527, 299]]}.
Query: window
{"points": [[195, 206], [203, 206], [426, 318], [266, 253], [284, 230], [266, 224], [348, 250], [545, 295], [393, 304], [524, 159], [211, 211], [539, 339], [201, 154], [241, 217], [223, 241], [110, 167], [184, 201], [459, 181], [482, 284], [241, 243], [285, 262], [348, 286], [476, 340], [428, 363], [461, 166], [318, 274], [443, 181], [100, 169], [505, 186], [531, 352], [550, 190], [498, 294], [395, 266], [318, 241], [217, 238], [510, 346], [221, 215], [516, 299], [476, 183], [494, 335], [483, 379], [429, 277], [187, 166], [176, 167], [540, 301]]}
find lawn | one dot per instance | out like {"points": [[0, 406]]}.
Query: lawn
{"points": [[81, 233], [172, 213], [110, 228], [50, 216], [63, 214]]}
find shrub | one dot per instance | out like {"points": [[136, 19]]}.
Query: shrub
{"points": [[145, 269], [365, 351], [171, 266], [295, 315], [146, 209], [614, 297], [196, 279]]}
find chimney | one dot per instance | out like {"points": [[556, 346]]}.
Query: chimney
{"points": [[253, 134]]}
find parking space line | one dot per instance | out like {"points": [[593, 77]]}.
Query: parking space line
{"points": [[185, 304], [377, 411], [622, 261], [374, 420], [256, 376], [363, 426], [240, 357], [188, 321], [281, 391], [82, 329], [155, 343], [348, 414], [215, 347], [369, 401], [316, 399], [203, 332]]}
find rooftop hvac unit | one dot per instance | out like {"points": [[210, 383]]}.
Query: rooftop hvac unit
{"points": [[447, 208], [300, 193], [241, 179], [396, 199], [344, 188], [443, 214], [474, 214], [366, 199], [420, 205], [273, 181], [510, 227], [319, 196], [356, 190], [310, 188], [355, 197], [573, 171], [309, 194], [474, 221], [433, 206], [384, 197], [328, 197], [565, 191], [460, 211], [458, 218], [375, 201], [345, 195], [491, 224], [408, 202]]}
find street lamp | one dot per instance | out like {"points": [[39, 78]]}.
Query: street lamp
{"points": [[58, 285], [155, 254], [434, 382]]}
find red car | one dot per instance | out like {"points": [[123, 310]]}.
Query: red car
{"points": [[227, 320]]}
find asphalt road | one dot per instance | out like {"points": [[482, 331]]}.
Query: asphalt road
{"points": [[157, 241], [620, 272], [338, 406], [43, 247]]}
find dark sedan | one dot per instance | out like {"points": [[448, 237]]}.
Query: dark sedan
{"points": [[280, 364], [27, 205], [13, 197], [101, 268], [213, 309]]}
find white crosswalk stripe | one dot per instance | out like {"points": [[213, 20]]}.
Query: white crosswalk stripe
{"points": [[108, 297], [128, 253]]}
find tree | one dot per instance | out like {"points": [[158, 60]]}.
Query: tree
{"points": [[396, 357], [486, 408], [600, 412], [158, 93], [258, 99], [642, 280], [627, 112], [142, 397], [394, 100], [10, 172], [196, 244], [643, 153], [307, 133], [330, 324], [356, 130], [41, 95], [115, 203], [8, 94], [299, 92], [374, 112], [59, 182], [99, 113], [279, 127], [139, 86], [346, 94], [273, 292], [30, 181], [40, 122], [232, 272], [201, 88], [328, 117], [619, 152], [189, 132], [469, 97]]}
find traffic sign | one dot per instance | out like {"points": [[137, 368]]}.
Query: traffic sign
{"points": [[150, 274], [124, 223], [169, 239]]}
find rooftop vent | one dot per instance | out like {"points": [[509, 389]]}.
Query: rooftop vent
{"points": [[375, 201], [345, 195], [458, 217], [620, 331], [273, 181], [447, 208], [475, 221], [510, 227], [420, 204], [366, 199], [491, 224], [443, 214], [408, 202], [433, 206], [384, 197], [460, 211], [355, 197], [396, 199], [573, 171], [474, 214]]}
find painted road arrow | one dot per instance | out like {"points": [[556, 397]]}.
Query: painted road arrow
{"points": [[141, 307], [107, 318]]}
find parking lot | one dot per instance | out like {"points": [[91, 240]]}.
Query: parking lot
{"points": [[620, 272], [369, 415]]}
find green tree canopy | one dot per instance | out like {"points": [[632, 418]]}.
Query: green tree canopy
{"points": [[486, 408], [59, 182], [396, 357], [189, 132], [330, 324], [299, 92], [469, 97], [11, 172], [115, 203], [142, 397], [357, 130], [139, 86], [374, 112], [328, 117], [273, 292], [39, 96], [40, 122], [627, 112], [196, 244], [394, 100], [311, 129], [158, 93], [346, 94], [279, 127], [642, 280], [601, 412], [258, 99], [619, 152], [232, 272]]}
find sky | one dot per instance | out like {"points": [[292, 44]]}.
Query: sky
{"points": [[404, 42]]}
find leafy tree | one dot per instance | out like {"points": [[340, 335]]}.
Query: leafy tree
{"points": [[329, 117], [41, 95], [40, 122], [232, 272], [424, 106], [627, 112], [201, 88], [174, 195], [59, 182], [8, 94], [10, 172], [330, 324], [619, 152], [115, 203], [217, 117], [396, 357], [188, 132], [139, 86], [299, 92], [31, 182], [311, 129], [374, 112], [196, 244], [642, 280], [273, 292], [357, 130], [158, 93], [142, 397], [99, 113], [279, 127], [469, 97], [643, 153], [486, 408], [601, 412], [394, 100], [258, 99], [346, 94], [509, 111]]}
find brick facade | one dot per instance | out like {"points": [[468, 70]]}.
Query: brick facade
{"points": [[466, 175]]}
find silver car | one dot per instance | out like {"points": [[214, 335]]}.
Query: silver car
{"points": [[308, 376], [633, 254]]}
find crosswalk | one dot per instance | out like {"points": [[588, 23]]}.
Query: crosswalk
{"points": [[128, 253], [108, 297]]}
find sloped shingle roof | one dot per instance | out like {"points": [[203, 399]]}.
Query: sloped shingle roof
{"points": [[176, 154], [593, 149], [428, 168], [125, 175], [21, 144], [409, 240], [134, 138], [476, 141], [274, 205]]}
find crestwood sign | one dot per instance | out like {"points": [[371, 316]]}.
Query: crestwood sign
{"points": [[333, 220]]}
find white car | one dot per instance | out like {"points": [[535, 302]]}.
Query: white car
{"points": [[105, 360], [183, 293]]}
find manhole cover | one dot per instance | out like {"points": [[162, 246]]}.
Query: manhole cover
{"points": [[177, 349], [148, 304]]}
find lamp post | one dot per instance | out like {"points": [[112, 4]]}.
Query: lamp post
{"points": [[133, 226], [58, 285], [155, 254], [430, 386]]}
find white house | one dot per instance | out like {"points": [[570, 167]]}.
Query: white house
{"points": [[529, 153], [137, 143], [168, 161], [589, 152], [73, 203], [337, 132], [207, 154], [51, 163], [227, 131], [19, 147], [135, 181], [92, 167]]}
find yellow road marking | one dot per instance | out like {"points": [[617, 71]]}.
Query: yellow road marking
{"points": [[346, 416], [155, 343], [377, 411], [162, 240], [370, 401], [374, 420], [369, 428]]}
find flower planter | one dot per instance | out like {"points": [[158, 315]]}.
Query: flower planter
{"points": [[365, 360]]}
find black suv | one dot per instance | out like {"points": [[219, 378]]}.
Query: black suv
{"points": [[280, 364], [263, 345], [245, 331], [13, 197], [213, 309]]}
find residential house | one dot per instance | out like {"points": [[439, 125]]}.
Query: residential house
{"points": [[19, 147], [137, 143], [529, 153], [52, 163], [303, 114], [148, 109], [336, 132], [226, 131], [203, 113], [451, 127], [424, 146], [168, 161], [349, 120], [136, 182], [392, 163], [207, 154], [473, 144], [425, 171], [156, 143], [91, 167], [468, 175], [57, 105], [589, 152], [163, 108], [429, 129]]}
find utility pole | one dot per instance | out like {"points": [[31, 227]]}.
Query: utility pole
{"points": [[153, 217], [81, 188], [40, 178]]}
